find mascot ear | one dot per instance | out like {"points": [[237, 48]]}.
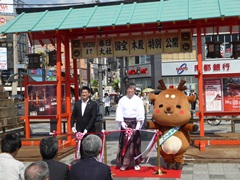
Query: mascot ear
{"points": [[152, 97], [191, 98]]}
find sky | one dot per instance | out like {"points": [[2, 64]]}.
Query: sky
{"points": [[61, 1]]}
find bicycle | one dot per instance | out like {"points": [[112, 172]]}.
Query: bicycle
{"points": [[216, 120]]}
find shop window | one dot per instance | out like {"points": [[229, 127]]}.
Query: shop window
{"points": [[171, 80], [136, 59], [208, 38], [213, 49], [131, 61], [235, 49], [142, 59], [221, 38], [234, 37], [188, 79], [227, 38]]}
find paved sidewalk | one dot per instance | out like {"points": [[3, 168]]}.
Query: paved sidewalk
{"points": [[191, 171]]}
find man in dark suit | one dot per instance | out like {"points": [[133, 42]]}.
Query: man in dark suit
{"points": [[48, 150], [84, 113], [88, 168]]}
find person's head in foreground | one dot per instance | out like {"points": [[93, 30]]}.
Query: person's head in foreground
{"points": [[11, 143], [49, 147], [37, 171], [91, 146]]}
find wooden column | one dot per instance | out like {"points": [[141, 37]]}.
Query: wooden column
{"points": [[59, 84], [67, 85], [200, 84], [26, 101]]}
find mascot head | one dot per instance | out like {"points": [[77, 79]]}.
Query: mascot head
{"points": [[171, 106]]}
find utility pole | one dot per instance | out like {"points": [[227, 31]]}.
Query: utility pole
{"points": [[15, 62], [88, 73], [21, 80], [122, 84], [100, 92], [43, 68], [124, 74], [126, 71]]}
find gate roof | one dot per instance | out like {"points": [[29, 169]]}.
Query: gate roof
{"points": [[127, 15]]}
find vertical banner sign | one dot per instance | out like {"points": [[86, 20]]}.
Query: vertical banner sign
{"points": [[213, 95], [154, 44], [3, 58], [186, 42], [137, 45], [121, 46], [89, 48], [105, 47], [231, 92], [171, 43]]}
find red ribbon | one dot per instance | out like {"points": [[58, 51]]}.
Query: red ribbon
{"points": [[79, 137], [128, 133], [102, 149]]}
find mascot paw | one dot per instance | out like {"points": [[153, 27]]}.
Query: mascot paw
{"points": [[195, 127], [177, 166], [168, 165]]}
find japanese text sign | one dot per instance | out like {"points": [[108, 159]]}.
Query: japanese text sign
{"points": [[154, 44], [121, 46], [137, 45], [104, 47], [89, 48], [171, 43], [134, 45]]}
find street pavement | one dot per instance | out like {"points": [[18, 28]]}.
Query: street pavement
{"points": [[191, 171]]}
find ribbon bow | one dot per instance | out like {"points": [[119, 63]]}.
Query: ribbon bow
{"points": [[128, 133], [79, 137]]}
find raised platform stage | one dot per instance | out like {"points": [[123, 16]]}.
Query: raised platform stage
{"points": [[214, 152]]}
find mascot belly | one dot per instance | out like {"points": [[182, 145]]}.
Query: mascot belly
{"points": [[172, 145]]}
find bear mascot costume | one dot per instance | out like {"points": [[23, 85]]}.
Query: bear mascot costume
{"points": [[171, 116]]}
